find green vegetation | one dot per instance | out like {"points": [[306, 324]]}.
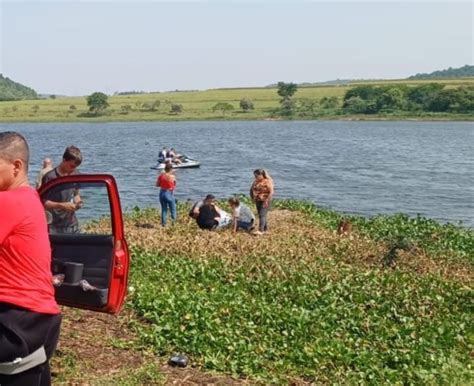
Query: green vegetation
{"points": [[430, 97], [223, 107], [287, 104], [246, 104], [461, 72], [97, 102], [13, 91], [303, 304], [309, 103]]}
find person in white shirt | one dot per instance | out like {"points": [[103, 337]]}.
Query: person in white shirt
{"points": [[242, 216]]}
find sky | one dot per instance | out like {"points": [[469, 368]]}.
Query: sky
{"points": [[79, 47]]}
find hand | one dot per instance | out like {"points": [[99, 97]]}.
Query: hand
{"points": [[265, 204], [68, 206]]}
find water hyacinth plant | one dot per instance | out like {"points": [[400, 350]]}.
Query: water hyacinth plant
{"points": [[304, 304]]}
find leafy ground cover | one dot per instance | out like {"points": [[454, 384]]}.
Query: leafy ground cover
{"points": [[300, 305], [303, 304]]}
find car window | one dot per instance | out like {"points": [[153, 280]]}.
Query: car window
{"points": [[87, 210]]}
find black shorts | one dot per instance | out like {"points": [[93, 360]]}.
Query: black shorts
{"points": [[23, 332]]}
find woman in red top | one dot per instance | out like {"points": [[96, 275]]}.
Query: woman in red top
{"points": [[261, 193], [167, 182]]}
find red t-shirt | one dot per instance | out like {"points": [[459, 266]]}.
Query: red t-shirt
{"points": [[166, 182], [25, 252]]}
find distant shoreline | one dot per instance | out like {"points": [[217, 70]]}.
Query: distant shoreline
{"points": [[207, 106], [191, 119]]}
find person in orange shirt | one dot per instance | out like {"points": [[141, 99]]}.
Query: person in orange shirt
{"points": [[261, 192]]}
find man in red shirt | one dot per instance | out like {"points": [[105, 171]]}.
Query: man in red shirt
{"points": [[29, 316]]}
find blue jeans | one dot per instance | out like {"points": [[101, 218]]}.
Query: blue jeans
{"points": [[167, 200], [244, 225]]}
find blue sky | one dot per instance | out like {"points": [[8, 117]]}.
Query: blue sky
{"points": [[78, 47]]}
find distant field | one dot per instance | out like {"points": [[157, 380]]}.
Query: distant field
{"points": [[197, 105]]}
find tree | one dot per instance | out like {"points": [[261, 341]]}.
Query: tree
{"points": [[223, 107], [307, 107], [329, 102], [391, 99], [286, 91], [356, 105], [72, 108], [126, 109], [287, 107], [176, 108], [97, 102], [246, 104]]}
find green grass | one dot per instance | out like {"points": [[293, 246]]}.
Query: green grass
{"points": [[197, 105], [322, 318]]}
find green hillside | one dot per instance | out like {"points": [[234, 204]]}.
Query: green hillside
{"points": [[461, 72], [13, 91]]}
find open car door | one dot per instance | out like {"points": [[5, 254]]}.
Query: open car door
{"points": [[90, 258]]}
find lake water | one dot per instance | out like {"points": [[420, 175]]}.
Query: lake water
{"points": [[356, 167]]}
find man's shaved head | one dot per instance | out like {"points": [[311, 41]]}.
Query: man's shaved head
{"points": [[14, 146]]}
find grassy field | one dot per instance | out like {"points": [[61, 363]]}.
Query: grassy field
{"points": [[391, 303], [197, 105]]}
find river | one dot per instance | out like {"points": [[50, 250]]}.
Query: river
{"points": [[351, 166]]}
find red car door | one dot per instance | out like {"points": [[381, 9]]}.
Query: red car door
{"points": [[90, 258]]}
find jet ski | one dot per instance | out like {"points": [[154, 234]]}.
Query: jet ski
{"points": [[186, 162]]}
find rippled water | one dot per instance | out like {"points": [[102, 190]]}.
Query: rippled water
{"points": [[357, 167]]}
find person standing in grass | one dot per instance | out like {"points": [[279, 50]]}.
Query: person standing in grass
{"points": [[261, 192], [242, 216], [167, 183], [30, 318]]}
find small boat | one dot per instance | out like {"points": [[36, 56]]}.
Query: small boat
{"points": [[186, 162]]}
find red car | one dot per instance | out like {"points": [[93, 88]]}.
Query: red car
{"points": [[90, 261]]}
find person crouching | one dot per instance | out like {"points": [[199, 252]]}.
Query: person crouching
{"points": [[242, 216]]}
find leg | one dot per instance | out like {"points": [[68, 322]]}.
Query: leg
{"points": [[262, 216], [172, 203], [21, 333], [164, 208]]}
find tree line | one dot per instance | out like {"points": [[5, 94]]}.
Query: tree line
{"points": [[364, 99], [372, 99], [432, 97]]}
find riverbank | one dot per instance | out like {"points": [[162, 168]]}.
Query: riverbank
{"points": [[387, 303], [200, 106]]}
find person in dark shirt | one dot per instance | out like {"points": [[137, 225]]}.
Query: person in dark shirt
{"points": [[208, 217], [63, 203]]}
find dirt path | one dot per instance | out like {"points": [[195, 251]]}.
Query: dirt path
{"points": [[98, 349]]}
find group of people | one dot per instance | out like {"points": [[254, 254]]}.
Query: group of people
{"points": [[209, 215], [30, 318], [169, 156]]}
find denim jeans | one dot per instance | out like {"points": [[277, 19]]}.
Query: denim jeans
{"points": [[262, 216], [245, 225], [167, 200]]}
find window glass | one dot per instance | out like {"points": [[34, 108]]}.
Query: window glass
{"points": [[75, 208]]}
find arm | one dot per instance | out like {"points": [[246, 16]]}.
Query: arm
{"points": [[235, 219], [66, 206], [270, 194]]}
